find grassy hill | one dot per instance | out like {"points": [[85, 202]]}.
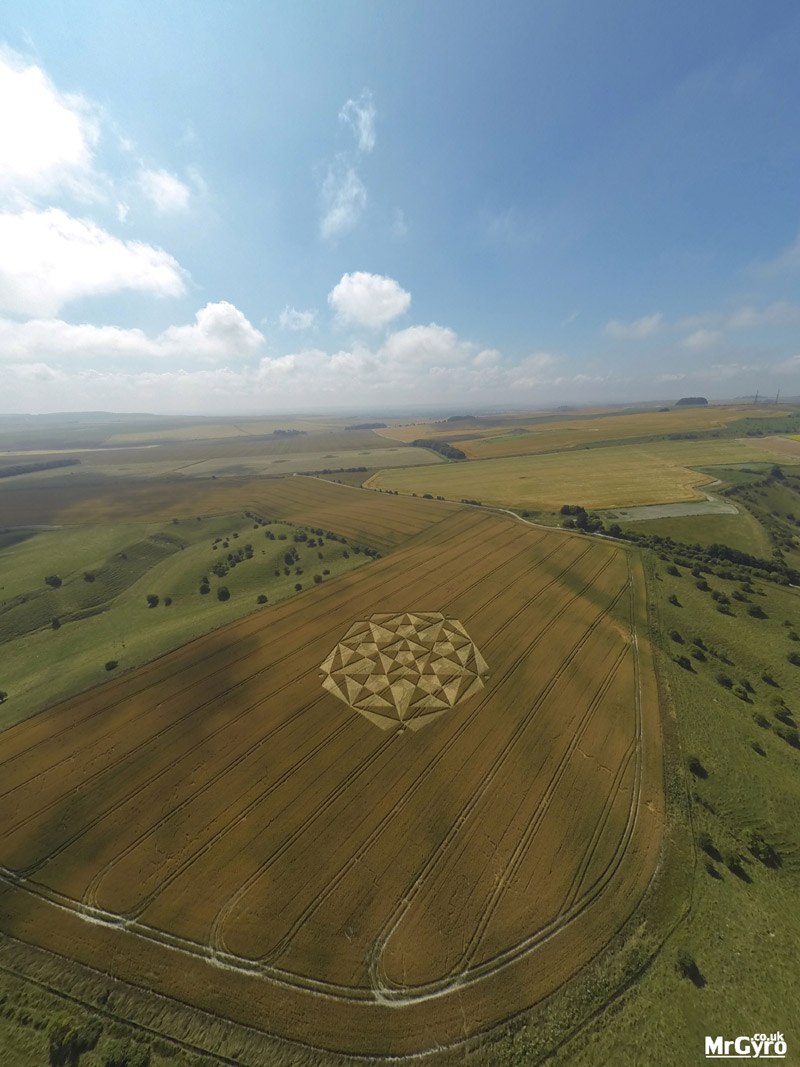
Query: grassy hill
{"points": [[57, 639]]}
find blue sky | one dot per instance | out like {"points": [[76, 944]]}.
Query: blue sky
{"points": [[283, 206]]}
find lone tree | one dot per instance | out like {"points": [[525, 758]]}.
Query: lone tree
{"points": [[223, 593], [152, 600], [3, 695]]}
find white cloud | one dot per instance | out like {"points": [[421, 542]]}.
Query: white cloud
{"points": [[360, 117], [46, 137], [343, 199], [701, 340], [220, 332], [510, 227], [430, 362], [399, 225], [533, 370], [746, 317], [638, 330], [368, 299], [786, 261], [166, 193], [48, 258], [292, 319], [781, 313], [427, 346]]}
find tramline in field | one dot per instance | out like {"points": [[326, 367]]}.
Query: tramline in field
{"points": [[224, 825]]}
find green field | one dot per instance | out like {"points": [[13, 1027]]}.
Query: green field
{"points": [[735, 914], [740, 531], [155, 462], [108, 618], [735, 710], [743, 927], [618, 476]]}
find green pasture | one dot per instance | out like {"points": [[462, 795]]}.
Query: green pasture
{"points": [[108, 618]]}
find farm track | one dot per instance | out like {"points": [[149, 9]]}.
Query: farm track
{"points": [[526, 838], [111, 768], [268, 861], [294, 814], [299, 613], [400, 804], [233, 630], [380, 982]]}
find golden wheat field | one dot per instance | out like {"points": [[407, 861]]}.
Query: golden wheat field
{"points": [[485, 438], [378, 818], [615, 476]]}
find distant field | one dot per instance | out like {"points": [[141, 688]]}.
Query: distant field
{"points": [[381, 522], [239, 457], [109, 619], [368, 891], [484, 439], [788, 446], [112, 465], [619, 476]]}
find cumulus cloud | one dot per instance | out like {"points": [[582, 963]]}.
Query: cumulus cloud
{"points": [[533, 370], [359, 115], [292, 319], [638, 330], [344, 198], [46, 137], [166, 193], [220, 332], [368, 299], [424, 361], [48, 258]]}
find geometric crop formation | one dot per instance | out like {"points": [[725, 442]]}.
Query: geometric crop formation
{"points": [[219, 828], [406, 668]]}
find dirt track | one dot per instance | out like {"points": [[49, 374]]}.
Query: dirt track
{"points": [[218, 827]]}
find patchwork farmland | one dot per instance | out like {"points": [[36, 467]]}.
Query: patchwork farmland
{"points": [[219, 827]]}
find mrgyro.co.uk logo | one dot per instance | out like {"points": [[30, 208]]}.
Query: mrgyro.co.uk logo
{"points": [[757, 1047]]}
